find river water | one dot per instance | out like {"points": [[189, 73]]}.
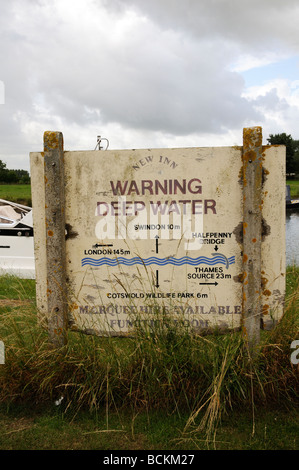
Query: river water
{"points": [[292, 238]]}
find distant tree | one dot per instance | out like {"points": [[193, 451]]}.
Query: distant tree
{"points": [[291, 148], [22, 176], [3, 171], [13, 176], [296, 157]]}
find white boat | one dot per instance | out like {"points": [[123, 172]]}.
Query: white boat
{"points": [[16, 240]]}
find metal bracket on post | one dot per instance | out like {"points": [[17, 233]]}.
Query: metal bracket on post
{"points": [[252, 234], [55, 237]]}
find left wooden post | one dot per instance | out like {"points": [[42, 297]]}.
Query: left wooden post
{"points": [[55, 238]]}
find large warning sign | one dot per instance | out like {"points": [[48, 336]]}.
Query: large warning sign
{"points": [[156, 234]]}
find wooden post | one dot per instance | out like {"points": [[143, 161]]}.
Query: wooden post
{"points": [[252, 234], [55, 238]]}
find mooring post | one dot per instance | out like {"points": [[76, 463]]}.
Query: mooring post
{"points": [[55, 237], [252, 234]]}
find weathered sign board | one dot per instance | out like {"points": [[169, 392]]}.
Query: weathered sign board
{"points": [[129, 238]]}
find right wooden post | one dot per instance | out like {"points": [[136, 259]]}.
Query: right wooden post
{"points": [[252, 234]]}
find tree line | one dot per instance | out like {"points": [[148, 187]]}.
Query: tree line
{"points": [[13, 176], [292, 150], [292, 160]]}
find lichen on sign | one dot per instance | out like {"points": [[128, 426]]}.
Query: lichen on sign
{"points": [[52, 140]]}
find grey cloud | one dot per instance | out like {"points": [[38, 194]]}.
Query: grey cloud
{"points": [[271, 101], [159, 81], [253, 24], [169, 72]]}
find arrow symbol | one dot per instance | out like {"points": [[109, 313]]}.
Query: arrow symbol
{"points": [[157, 249], [208, 283], [216, 248], [98, 246], [157, 278]]}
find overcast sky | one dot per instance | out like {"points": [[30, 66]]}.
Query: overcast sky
{"points": [[145, 73]]}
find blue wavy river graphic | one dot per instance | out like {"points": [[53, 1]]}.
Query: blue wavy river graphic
{"points": [[216, 259]]}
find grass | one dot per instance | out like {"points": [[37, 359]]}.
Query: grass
{"points": [[294, 187], [18, 193], [155, 391], [51, 429]]}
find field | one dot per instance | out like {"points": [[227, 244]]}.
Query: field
{"points": [[166, 391], [294, 186], [19, 193]]}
